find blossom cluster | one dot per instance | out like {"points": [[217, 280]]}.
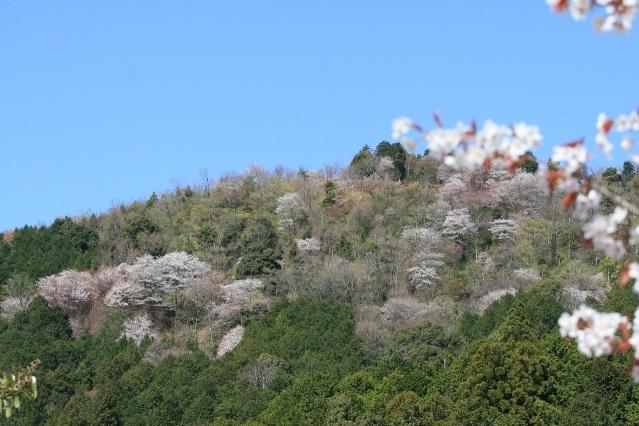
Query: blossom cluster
{"points": [[596, 333], [72, 290], [230, 340], [600, 334], [624, 125], [600, 231], [467, 147], [527, 274], [311, 244], [503, 229], [150, 280], [137, 328], [618, 14]]}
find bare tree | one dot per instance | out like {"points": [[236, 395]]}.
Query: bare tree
{"points": [[17, 293], [262, 371], [206, 295], [401, 310]]}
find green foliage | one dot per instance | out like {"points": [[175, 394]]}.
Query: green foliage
{"points": [[330, 193], [257, 261], [420, 344], [32, 334], [137, 225], [621, 299], [628, 171], [363, 163], [516, 326], [38, 252], [17, 386], [508, 384], [394, 151], [405, 409], [529, 164], [611, 176], [152, 200], [262, 250]]}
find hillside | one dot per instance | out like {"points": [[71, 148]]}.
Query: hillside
{"points": [[396, 291]]}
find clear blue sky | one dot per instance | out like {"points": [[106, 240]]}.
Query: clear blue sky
{"points": [[108, 101]]}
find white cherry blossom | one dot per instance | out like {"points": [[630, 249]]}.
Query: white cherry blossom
{"points": [[401, 127], [573, 155], [633, 273], [600, 231], [594, 332], [584, 204], [617, 14]]}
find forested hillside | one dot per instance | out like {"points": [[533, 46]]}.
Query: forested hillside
{"points": [[395, 291]]}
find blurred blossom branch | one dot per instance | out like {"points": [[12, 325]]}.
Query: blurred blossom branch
{"points": [[469, 147]]}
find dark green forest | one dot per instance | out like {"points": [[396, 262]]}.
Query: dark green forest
{"points": [[394, 291]]}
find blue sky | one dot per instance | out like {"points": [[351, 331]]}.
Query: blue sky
{"points": [[105, 102]]}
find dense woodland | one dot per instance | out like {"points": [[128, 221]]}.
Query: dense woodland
{"points": [[395, 291]]}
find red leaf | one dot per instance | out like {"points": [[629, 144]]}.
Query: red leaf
{"points": [[608, 125], [575, 143], [624, 278], [623, 347], [554, 177], [569, 200], [438, 119], [561, 6]]}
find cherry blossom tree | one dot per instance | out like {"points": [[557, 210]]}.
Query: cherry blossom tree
{"points": [[71, 290], [452, 190], [458, 224], [503, 229], [126, 294], [151, 281], [424, 277], [165, 276], [236, 296], [401, 310], [491, 297], [291, 210], [137, 328], [17, 293], [524, 193], [527, 274], [307, 245], [421, 239], [9, 307], [424, 244]]}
